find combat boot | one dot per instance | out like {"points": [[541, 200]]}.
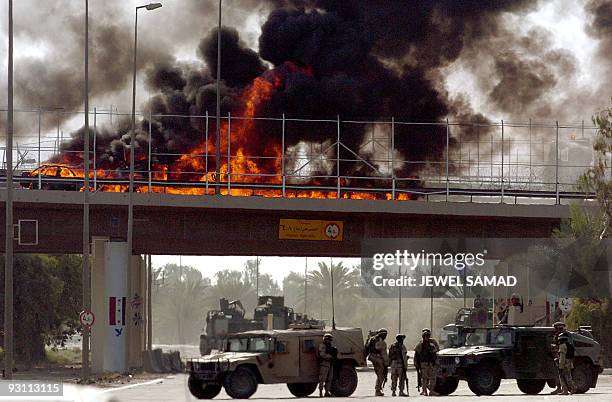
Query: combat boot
{"points": [[556, 391], [402, 393], [379, 393], [433, 393], [393, 393], [320, 393], [327, 394]]}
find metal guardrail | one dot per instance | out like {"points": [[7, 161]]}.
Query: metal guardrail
{"points": [[517, 160]]}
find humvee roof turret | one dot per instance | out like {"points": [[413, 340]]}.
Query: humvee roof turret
{"points": [[277, 356], [483, 356]]}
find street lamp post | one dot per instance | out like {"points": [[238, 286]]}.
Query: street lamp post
{"points": [[148, 7], [8, 235], [86, 273], [218, 117], [130, 230]]}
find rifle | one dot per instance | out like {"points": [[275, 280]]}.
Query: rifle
{"points": [[419, 382], [386, 373]]}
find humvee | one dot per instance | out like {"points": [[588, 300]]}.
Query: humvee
{"points": [[276, 356], [483, 356]]}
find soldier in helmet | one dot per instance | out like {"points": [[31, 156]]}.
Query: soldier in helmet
{"points": [[327, 354], [559, 329], [566, 357], [398, 355], [377, 354], [425, 354]]}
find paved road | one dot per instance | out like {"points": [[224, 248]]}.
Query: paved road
{"points": [[175, 389]]}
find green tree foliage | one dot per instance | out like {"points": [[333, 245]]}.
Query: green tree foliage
{"points": [[588, 229], [587, 312], [346, 290], [293, 290], [179, 297], [598, 178], [47, 294]]}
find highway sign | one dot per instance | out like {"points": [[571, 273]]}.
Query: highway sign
{"points": [[309, 229], [87, 318]]}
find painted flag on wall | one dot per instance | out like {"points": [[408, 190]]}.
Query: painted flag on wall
{"points": [[116, 310]]}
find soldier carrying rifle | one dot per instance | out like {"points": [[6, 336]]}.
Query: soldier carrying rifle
{"points": [[327, 354], [399, 363], [425, 354], [376, 348]]}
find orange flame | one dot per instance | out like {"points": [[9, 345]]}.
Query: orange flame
{"points": [[241, 169]]}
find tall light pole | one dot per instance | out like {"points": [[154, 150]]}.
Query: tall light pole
{"points": [[8, 234], [218, 118], [130, 231], [86, 273]]}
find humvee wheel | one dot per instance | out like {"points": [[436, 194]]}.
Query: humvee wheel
{"points": [[446, 386], [344, 381], [240, 384], [302, 389], [582, 376], [531, 387], [201, 390], [484, 379]]}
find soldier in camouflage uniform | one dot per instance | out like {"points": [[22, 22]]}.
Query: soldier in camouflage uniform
{"points": [[398, 355], [380, 359], [559, 329], [326, 357], [425, 354], [566, 365]]}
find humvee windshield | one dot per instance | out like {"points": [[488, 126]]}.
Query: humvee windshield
{"points": [[487, 336], [254, 344]]}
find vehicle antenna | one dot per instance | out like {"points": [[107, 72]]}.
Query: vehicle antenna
{"points": [[331, 274]]}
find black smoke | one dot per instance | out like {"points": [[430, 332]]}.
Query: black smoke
{"points": [[353, 59]]}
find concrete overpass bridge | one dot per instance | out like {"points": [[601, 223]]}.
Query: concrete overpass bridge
{"points": [[225, 225]]}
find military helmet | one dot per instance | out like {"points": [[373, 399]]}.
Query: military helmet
{"points": [[382, 331], [426, 331], [559, 324], [328, 336], [400, 336]]}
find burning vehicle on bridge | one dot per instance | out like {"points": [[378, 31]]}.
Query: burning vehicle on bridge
{"points": [[277, 357], [53, 176]]}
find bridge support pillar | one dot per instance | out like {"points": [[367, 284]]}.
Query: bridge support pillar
{"points": [[98, 305], [117, 302], [117, 299]]}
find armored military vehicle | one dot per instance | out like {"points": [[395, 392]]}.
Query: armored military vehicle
{"points": [[230, 319], [276, 356], [483, 356]]}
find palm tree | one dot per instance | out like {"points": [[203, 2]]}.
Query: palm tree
{"points": [[181, 302], [346, 290]]}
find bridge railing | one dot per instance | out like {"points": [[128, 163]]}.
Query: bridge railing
{"points": [[295, 157]]}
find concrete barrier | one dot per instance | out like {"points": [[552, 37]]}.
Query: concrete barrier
{"points": [[148, 362], [157, 361], [165, 358], [175, 361]]}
